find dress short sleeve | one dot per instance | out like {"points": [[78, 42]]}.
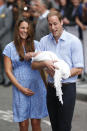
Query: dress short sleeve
{"points": [[7, 50]]}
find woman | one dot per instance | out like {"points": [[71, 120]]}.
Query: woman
{"points": [[29, 93]]}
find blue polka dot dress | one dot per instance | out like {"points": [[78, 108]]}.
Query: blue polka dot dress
{"points": [[25, 107]]}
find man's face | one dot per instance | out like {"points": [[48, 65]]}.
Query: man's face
{"points": [[75, 2], [63, 2], [55, 26], [36, 6]]}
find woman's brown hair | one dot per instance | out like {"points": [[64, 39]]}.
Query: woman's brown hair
{"points": [[29, 46]]}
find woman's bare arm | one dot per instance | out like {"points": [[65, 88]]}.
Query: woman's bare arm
{"points": [[8, 70]]}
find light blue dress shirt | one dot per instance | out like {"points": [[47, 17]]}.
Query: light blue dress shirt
{"points": [[68, 48]]}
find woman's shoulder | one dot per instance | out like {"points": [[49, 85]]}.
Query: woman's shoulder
{"points": [[11, 44], [9, 48], [36, 44]]}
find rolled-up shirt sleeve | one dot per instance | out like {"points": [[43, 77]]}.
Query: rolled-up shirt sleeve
{"points": [[77, 54]]}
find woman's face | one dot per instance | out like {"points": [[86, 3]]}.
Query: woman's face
{"points": [[23, 30]]}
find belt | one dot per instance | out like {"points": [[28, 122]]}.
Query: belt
{"points": [[63, 84]]}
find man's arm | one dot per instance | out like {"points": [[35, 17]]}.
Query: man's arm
{"points": [[43, 64], [77, 57], [38, 65], [48, 65]]}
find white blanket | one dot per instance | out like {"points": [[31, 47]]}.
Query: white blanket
{"points": [[63, 71]]}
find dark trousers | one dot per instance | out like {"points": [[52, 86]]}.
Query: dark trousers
{"points": [[61, 115]]}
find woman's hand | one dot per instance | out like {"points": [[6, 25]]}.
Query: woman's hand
{"points": [[27, 91], [29, 55]]}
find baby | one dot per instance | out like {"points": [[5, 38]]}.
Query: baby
{"points": [[61, 72]]}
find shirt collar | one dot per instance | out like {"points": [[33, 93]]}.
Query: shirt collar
{"points": [[44, 15]]}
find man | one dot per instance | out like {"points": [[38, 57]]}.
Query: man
{"points": [[67, 47], [6, 21], [41, 28]]}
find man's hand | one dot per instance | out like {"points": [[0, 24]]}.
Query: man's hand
{"points": [[50, 67]]}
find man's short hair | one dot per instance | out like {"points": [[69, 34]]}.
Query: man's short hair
{"points": [[55, 13], [40, 1]]}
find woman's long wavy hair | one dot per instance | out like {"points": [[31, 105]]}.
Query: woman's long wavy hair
{"points": [[29, 45]]}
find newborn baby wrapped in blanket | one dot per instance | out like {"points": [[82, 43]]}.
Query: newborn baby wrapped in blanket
{"points": [[62, 72]]}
